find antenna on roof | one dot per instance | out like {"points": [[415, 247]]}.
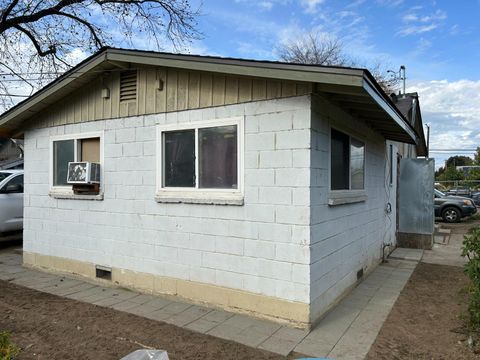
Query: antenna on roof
{"points": [[400, 75]]}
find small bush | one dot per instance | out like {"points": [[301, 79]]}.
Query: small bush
{"points": [[471, 250], [7, 349]]}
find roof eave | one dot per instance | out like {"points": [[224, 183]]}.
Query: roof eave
{"points": [[390, 109]]}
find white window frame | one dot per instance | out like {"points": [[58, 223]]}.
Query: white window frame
{"points": [[66, 191], [196, 194], [346, 196]]}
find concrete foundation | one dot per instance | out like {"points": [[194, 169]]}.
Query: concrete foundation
{"points": [[415, 241]]}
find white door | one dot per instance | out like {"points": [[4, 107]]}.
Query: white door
{"points": [[11, 205]]}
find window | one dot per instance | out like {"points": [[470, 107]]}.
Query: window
{"points": [[72, 148], [16, 182], [347, 162], [201, 158]]}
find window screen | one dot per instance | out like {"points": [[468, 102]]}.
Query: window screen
{"points": [[340, 160], [218, 157], [179, 158], [357, 160], [63, 152]]}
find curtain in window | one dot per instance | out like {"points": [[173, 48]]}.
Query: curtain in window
{"points": [[357, 161], [340, 160], [218, 157], [179, 158]]}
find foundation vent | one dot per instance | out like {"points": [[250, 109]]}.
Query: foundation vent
{"points": [[128, 85], [102, 272], [359, 274]]}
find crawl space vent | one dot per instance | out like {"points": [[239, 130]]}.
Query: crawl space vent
{"points": [[102, 272], [359, 274], [128, 85]]}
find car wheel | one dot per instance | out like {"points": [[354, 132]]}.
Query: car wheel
{"points": [[451, 215]]}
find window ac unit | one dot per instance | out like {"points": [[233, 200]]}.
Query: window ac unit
{"points": [[83, 173]]}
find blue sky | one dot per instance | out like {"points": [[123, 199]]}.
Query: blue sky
{"points": [[437, 41]]}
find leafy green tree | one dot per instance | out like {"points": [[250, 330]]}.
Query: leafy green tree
{"points": [[476, 157], [459, 160], [451, 174]]}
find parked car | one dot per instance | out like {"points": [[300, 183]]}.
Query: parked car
{"points": [[476, 198], [11, 200], [460, 191], [452, 208]]}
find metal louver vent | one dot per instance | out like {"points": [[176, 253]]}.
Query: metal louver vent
{"points": [[128, 85]]}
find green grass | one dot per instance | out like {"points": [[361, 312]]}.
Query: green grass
{"points": [[8, 350]]}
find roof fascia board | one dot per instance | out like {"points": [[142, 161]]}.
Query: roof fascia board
{"points": [[369, 88], [351, 78], [40, 98]]}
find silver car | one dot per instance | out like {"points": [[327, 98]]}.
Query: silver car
{"points": [[11, 200]]}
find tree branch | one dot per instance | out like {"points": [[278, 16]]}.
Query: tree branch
{"points": [[51, 49], [8, 10], [91, 28]]}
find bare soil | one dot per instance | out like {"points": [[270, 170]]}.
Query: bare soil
{"points": [[425, 322], [51, 327]]}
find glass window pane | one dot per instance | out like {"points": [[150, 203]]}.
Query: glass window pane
{"points": [[340, 161], [63, 152], [357, 161], [218, 157], [18, 180], [179, 158]]}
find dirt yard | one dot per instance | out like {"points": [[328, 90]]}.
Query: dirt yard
{"points": [[425, 321], [50, 327]]}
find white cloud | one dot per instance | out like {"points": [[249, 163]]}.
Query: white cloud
{"points": [[415, 23], [264, 4], [417, 29], [311, 6], [453, 111], [391, 3]]}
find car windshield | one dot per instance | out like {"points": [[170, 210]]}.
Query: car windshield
{"points": [[439, 193], [4, 175]]}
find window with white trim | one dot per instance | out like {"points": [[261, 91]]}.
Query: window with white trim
{"points": [[203, 157], [347, 160], [72, 148]]}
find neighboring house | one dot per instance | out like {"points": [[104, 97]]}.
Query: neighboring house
{"points": [[11, 154], [414, 175], [259, 187]]}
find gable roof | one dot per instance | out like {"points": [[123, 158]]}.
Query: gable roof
{"points": [[409, 106], [353, 89]]}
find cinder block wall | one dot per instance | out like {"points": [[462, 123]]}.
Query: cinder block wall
{"points": [[344, 238], [261, 247]]}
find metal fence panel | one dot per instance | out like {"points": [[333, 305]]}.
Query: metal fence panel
{"points": [[417, 179]]}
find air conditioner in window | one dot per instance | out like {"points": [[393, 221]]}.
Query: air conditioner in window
{"points": [[83, 173]]}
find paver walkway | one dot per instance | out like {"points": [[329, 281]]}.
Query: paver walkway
{"points": [[449, 251], [346, 332]]}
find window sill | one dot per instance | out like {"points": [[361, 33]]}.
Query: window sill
{"points": [[198, 197], [346, 197], [71, 196]]}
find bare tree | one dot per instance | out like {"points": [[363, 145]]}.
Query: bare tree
{"points": [[314, 49], [37, 36], [317, 49]]}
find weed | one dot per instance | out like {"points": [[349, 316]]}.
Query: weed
{"points": [[7, 349], [471, 250]]}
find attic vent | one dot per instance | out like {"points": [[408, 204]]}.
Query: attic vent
{"points": [[128, 85]]}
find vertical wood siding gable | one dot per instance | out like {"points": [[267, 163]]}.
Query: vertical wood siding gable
{"points": [[182, 90]]}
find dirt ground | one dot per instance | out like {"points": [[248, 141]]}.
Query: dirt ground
{"points": [[424, 322], [50, 327]]}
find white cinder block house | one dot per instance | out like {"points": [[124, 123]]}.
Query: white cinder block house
{"points": [[253, 186]]}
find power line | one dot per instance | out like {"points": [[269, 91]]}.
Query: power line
{"points": [[15, 95], [452, 150]]}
